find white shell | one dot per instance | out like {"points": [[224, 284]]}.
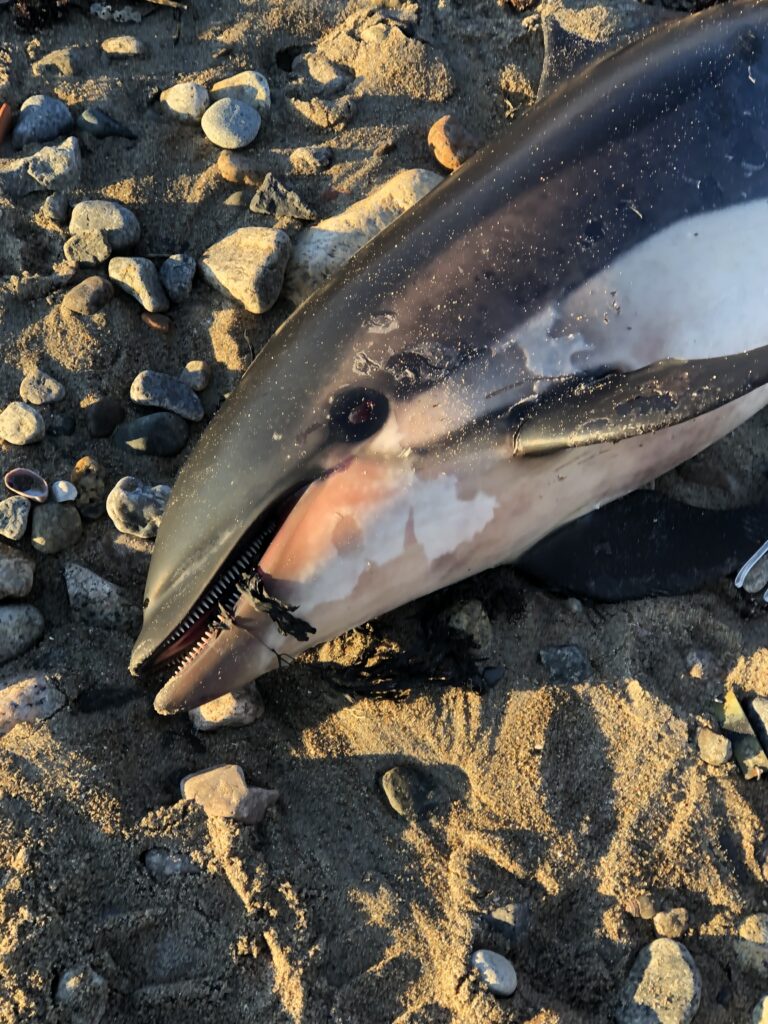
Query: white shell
{"points": [[63, 490]]}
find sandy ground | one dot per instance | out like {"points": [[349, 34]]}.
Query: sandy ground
{"points": [[574, 802]]}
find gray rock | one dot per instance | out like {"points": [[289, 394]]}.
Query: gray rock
{"points": [[14, 516], [162, 391], [89, 296], [55, 167], [123, 47], [101, 125], [21, 424], [56, 208], [311, 159], [177, 274], [27, 699], [38, 388], [670, 924], [21, 626], [64, 63], [249, 87], [138, 276], [55, 527], [565, 664], [758, 716], [137, 508], [104, 416], [93, 599], [714, 748], [196, 374], [326, 113], [185, 101], [162, 863], [17, 572], [41, 119], [471, 619], [248, 265], [511, 920], [496, 972], [82, 995], [118, 224], [751, 944], [412, 792], [230, 711], [160, 433], [663, 987], [222, 793], [275, 200], [230, 124], [63, 490], [87, 250]]}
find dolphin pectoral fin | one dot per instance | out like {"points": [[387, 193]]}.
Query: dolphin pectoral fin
{"points": [[583, 411], [645, 545]]}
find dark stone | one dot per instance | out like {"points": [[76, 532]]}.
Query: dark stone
{"points": [[566, 664], [161, 433], [103, 416], [59, 424], [411, 792], [89, 296], [275, 200], [102, 125]]}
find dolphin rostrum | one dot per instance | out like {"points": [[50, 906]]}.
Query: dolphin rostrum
{"points": [[578, 309]]}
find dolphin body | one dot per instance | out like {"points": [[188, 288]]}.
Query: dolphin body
{"points": [[580, 308]]}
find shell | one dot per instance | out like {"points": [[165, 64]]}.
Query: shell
{"points": [[27, 483], [63, 490]]}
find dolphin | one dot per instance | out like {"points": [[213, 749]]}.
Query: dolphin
{"points": [[577, 310]]}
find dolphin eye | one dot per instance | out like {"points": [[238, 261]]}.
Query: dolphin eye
{"points": [[357, 413]]}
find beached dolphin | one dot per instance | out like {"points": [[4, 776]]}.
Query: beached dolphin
{"points": [[578, 309]]}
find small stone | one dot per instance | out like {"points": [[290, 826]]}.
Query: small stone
{"points": [[93, 599], [664, 985], [326, 113], [63, 491], [138, 276], [275, 200], [758, 716], [450, 143], [239, 168], [162, 434], [38, 388], [177, 274], [471, 619], [239, 199], [749, 755], [87, 250], [27, 699], [17, 572], [230, 124], [101, 125], [496, 971], [82, 995], [196, 374], [311, 159], [512, 921], [60, 424], [222, 793], [90, 478], [642, 907], [21, 626], [165, 392], [157, 322], [117, 223], [123, 47], [760, 1012], [103, 416], [162, 863], [137, 508], [566, 664], [751, 945], [64, 62], [14, 516], [248, 265], [41, 119], [21, 424], [186, 101], [54, 167], [670, 924], [411, 792], [249, 87], [89, 296], [55, 527], [230, 711], [56, 207], [714, 748]]}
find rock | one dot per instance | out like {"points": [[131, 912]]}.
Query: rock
{"points": [[54, 167], [21, 424], [93, 599], [320, 250], [60, 424], [82, 995], [137, 508], [161, 433], [471, 619], [565, 664], [228, 712], [714, 748], [319, 76], [239, 168], [157, 322], [63, 491], [512, 921], [275, 200], [664, 986], [90, 479], [311, 159], [14, 515], [247, 87], [123, 47], [248, 265], [17, 572], [165, 392], [196, 374], [138, 276], [758, 716], [326, 113], [751, 945], [760, 1012], [55, 527], [450, 143], [240, 199], [21, 626], [186, 101], [117, 223], [177, 274], [103, 416], [41, 119], [670, 924], [56, 207], [162, 863], [749, 755], [87, 250], [64, 62], [38, 388], [222, 793], [27, 699], [411, 792], [101, 125], [231, 124], [89, 296], [496, 972]]}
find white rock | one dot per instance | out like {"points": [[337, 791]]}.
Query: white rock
{"points": [[222, 793], [663, 985], [248, 265], [185, 101], [26, 699], [230, 124], [138, 276], [92, 598], [21, 424], [21, 626], [496, 971], [136, 508], [17, 572], [14, 516], [228, 712], [249, 87], [123, 47]]}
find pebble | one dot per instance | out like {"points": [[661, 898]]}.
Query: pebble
{"points": [[123, 47], [161, 433], [231, 124], [496, 972], [17, 572], [565, 664], [27, 699], [321, 249], [157, 322], [751, 945], [311, 159], [248, 265], [222, 793], [63, 491], [186, 101], [137, 508], [103, 416], [117, 223], [49, 169], [240, 199], [38, 388], [196, 374], [471, 619], [512, 921], [93, 599], [758, 715], [55, 527], [230, 711], [89, 296], [162, 391], [663, 985], [14, 516], [21, 626], [275, 200], [670, 924], [41, 119], [64, 62], [450, 143], [82, 994], [162, 863], [411, 792], [177, 274], [714, 748], [60, 424], [760, 1012], [101, 125], [21, 424], [87, 250], [56, 207], [747, 752], [239, 168], [249, 87], [138, 276], [90, 479]]}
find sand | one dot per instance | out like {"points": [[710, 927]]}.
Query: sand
{"points": [[583, 804]]}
